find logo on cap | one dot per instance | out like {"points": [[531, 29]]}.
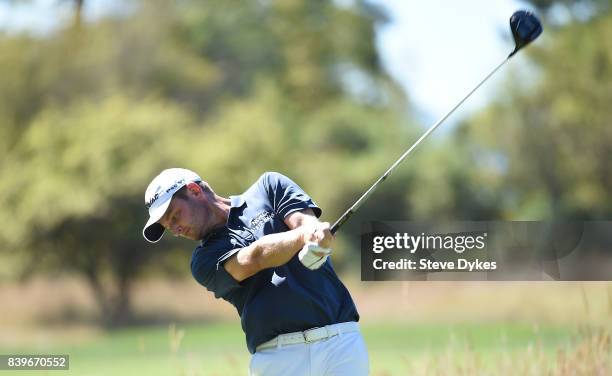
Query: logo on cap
{"points": [[152, 200]]}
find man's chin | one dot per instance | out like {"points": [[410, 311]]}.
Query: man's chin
{"points": [[191, 236]]}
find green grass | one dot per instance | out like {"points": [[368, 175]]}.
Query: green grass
{"points": [[219, 349], [399, 350]]}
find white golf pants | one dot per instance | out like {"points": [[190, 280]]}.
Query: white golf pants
{"points": [[344, 354]]}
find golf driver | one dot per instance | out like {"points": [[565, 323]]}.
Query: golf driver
{"points": [[525, 28]]}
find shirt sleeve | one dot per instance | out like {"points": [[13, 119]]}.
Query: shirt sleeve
{"points": [[207, 268], [286, 196]]}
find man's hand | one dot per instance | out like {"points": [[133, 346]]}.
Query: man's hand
{"points": [[319, 233], [317, 241]]}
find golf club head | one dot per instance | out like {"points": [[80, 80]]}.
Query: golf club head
{"points": [[526, 27]]}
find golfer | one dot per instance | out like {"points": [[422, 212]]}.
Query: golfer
{"points": [[265, 252]]}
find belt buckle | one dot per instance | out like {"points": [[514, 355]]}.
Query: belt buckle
{"points": [[305, 334]]}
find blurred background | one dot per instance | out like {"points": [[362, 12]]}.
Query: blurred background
{"points": [[97, 96]]}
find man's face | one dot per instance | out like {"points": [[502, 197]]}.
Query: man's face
{"points": [[187, 217]]}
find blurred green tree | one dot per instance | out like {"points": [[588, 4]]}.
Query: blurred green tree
{"points": [[73, 190], [591, 7], [90, 116], [546, 143]]}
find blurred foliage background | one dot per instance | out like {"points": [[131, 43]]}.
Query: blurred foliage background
{"points": [[90, 112]]}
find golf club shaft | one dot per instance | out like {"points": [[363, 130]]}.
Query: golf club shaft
{"points": [[367, 193]]}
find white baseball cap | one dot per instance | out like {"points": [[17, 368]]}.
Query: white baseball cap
{"points": [[158, 196]]}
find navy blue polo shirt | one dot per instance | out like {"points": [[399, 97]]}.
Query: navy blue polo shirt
{"points": [[278, 300]]}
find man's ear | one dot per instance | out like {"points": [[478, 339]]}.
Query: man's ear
{"points": [[194, 189]]}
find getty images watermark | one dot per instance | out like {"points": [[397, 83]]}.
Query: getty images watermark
{"points": [[487, 250], [458, 243]]}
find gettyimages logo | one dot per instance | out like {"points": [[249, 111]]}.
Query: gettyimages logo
{"points": [[455, 242]]}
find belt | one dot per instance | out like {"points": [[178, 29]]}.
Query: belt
{"points": [[310, 335]]}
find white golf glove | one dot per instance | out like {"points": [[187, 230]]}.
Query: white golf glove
{"points": [[311, 260]]}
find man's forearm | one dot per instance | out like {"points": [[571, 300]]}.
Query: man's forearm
{"points": [[277, 249], [267, 252], [273, 249]]}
